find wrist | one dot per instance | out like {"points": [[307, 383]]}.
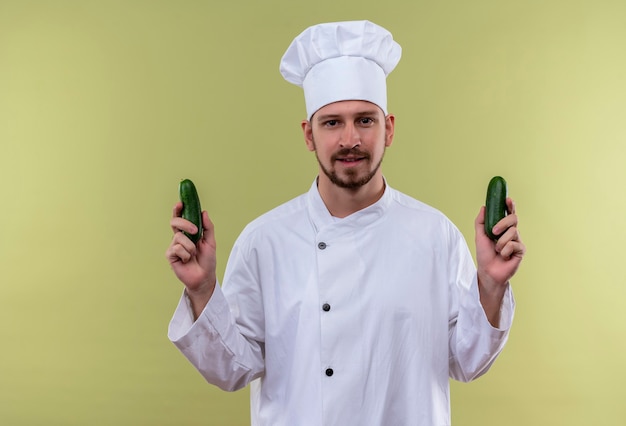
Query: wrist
{"points": [[199, 297], [491, 296]]}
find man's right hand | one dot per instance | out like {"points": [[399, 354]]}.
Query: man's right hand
{"points": [[194, 265]]}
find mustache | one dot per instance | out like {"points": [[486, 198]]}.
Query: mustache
{"points": [[350, 152]]}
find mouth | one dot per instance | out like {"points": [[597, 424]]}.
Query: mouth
{"points": [[349, 160], [350, 157], [348, 163]]}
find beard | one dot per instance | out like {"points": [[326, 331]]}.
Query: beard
{"points": [[353, 179]]}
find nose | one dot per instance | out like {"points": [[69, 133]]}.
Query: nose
{"points": [[350, 137]]}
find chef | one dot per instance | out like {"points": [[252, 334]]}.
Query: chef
{"points": [[353, 303]]}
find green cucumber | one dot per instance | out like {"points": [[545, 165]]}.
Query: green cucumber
{"points": [[495, 206], [191, 207]]}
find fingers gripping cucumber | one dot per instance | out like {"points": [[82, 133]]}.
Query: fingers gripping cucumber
{"points": [[191, 207], [495, 206]]}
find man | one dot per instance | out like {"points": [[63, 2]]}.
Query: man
{"points": [[352, 304]]}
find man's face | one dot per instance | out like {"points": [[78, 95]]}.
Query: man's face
{"points": [[349, 139]]}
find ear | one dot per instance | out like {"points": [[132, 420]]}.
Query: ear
{"points": [[390, 124], [307, 130]]}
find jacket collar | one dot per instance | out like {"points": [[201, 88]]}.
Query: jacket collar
{"points": [[321, 217]]}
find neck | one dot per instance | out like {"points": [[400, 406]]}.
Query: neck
{"points": [[342, 202]]}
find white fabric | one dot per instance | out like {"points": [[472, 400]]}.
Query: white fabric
{"points": [[340, 61], [404, 316]]}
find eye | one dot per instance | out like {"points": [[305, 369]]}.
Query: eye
{"points": [[366, 121], [331, 123]]}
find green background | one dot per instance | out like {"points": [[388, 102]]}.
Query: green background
{"points": [[106, 105]]}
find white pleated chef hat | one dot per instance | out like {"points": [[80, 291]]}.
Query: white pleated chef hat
{"points": [[340, 61]]}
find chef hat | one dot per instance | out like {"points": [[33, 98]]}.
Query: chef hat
{"points": [[340, 61]]}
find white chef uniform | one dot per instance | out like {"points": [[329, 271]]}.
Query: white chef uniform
{"points": [[355, 321]]}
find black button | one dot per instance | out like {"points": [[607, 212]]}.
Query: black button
{"points": [[321, 245], [329, 372], [326, 307]]}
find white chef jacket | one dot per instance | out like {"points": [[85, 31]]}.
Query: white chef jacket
{"points": [[355, 321]]}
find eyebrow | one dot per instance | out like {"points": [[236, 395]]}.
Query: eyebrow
{"points": [[326, 117]]}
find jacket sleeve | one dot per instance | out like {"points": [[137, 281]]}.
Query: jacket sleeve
{"points": [[474, 344], [215, 345]]}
